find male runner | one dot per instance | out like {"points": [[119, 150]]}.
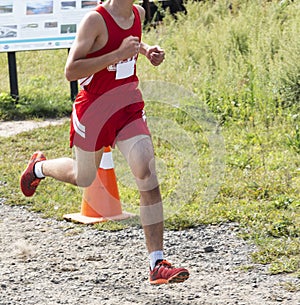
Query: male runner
{"points": [[108, 111]]}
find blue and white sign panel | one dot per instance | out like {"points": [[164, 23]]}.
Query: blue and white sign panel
{"points": [[40, 24]]}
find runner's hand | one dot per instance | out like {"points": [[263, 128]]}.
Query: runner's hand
{"points": [[156, 55], [129, 47]]}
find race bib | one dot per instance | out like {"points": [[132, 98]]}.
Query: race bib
{"points": [[125, 69]]}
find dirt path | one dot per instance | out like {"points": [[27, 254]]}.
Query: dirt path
{"points": [[49, 262], [9, 128], [46, 262]]}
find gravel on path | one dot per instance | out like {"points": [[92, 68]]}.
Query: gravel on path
{"points": [[47, 262]]}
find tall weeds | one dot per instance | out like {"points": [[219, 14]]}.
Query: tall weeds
{"points": [[243, 59]]}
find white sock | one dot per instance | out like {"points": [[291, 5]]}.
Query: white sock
{"points": [[38, 170], [154, 256]]}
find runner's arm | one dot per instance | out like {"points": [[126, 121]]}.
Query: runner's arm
{"points": [[155, 54], [89, 32]]}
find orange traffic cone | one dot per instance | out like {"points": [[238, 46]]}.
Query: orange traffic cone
{"points": [[101, 200]]}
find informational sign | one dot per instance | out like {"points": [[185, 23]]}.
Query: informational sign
{"points": [[40, 24]]}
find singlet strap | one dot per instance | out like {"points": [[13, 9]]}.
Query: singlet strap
{"points": [[109, 19]]}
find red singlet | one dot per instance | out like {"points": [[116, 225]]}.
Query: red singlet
{"points": [[109, 107]]}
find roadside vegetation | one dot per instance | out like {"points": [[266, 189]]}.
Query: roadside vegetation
{"points": [[243, 64]]}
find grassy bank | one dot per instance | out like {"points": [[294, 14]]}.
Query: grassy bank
{"points": [[242, 63]]}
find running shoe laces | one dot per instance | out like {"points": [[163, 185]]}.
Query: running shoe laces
{"points": [[165, 273]]}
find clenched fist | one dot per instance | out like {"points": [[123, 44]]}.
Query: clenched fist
{"points": [[156, 55], [129, 47]]}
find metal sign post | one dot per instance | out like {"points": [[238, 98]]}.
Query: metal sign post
{"points": [[73, 89], [13, 76]]}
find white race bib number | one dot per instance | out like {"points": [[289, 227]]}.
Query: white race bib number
{"points": [[125, 69]]}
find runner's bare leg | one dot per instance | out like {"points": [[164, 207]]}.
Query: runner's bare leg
{"points": [[139, 154], [81, 171]]}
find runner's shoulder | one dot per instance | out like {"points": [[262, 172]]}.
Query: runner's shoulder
{"points": [[93, 20], [141, 11]]}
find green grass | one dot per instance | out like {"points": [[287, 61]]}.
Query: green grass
{"points": [[244, 66], [43, 90]]}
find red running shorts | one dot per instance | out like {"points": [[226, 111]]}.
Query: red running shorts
{"points": [[102, 121]]}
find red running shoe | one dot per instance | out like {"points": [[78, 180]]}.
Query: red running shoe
{"points": [[29, 182], [165, 273]]}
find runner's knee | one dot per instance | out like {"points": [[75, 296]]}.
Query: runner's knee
{"points": [[85, 179], [145, 176]]}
